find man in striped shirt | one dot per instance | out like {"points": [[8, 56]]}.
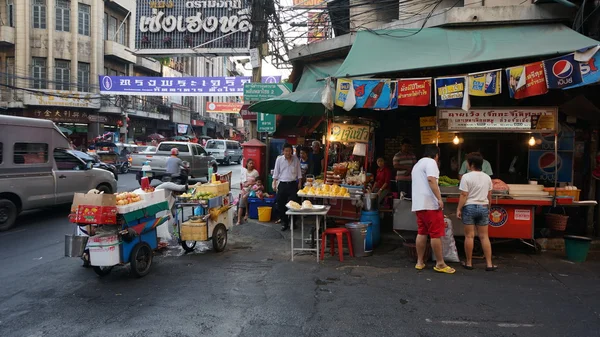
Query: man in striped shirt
{"points": [[403, 164]]}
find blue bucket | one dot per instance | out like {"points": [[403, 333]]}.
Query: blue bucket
{"points": [[373, 218]]}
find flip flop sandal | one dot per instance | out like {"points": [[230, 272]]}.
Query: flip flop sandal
{"points": [[492, 268], [417, 267], [445, 270], [467, 267]]}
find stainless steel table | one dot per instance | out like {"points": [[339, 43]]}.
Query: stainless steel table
{"points": [[317, 214]]}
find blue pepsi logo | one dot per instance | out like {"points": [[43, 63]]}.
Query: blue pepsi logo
{"points": [[562, 69]]}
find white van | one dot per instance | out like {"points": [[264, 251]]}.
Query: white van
{"points": [[39, 169], [225, 151]]}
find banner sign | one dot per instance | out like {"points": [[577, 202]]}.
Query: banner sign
{"points": [[60, 98], [374, 94], [562, 72], [544, 164], [349, 133], [177, 86], [224, 107], [310, 4], [414, 92], [487, 83], [589, 71], [318, 26], [450, 92], [192, 27], [429, 133], [256, 92], [344, 94], [526, 81], [520, 119]]}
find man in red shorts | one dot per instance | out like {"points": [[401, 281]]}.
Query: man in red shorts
{"points": [[428, 205]]}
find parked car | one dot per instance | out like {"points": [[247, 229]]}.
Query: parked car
{"points": [[192, 153], [38, 168], [225, 151], [96, 162]]}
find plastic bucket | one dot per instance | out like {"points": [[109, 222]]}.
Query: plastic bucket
{"points": [[264, 213], [577, 247], [373, 218], [104, 250], [75, 245], [362, 238]]}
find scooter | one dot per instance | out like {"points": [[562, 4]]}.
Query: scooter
{"points": [[124, 167], [179, 179]]}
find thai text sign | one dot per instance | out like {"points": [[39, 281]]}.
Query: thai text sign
{"points": [[349, 133], [191, 27], [414, 92], [429, 133], [177, 86], [61, 98], [223, 107], [256, 92], [503, 119]]}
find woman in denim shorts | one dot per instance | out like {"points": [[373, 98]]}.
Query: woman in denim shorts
{"points": [[474, 209]]}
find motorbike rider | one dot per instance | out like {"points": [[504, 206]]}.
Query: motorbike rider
{"points": [[174, 164]]}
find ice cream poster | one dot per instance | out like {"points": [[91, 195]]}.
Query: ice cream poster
{"points": [[450, 92], [373, 94], [488, 83]]}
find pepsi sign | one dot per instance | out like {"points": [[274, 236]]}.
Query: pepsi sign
{"points": [[562, 72]]}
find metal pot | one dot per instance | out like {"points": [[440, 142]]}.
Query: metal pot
{"points": [[75, 245], [370, 202]]}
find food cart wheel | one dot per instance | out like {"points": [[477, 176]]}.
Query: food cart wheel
{"points": [[141, 259], [188, 246], [219, 238], [103, 271]]}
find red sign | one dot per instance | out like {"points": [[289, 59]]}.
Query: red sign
{"points": [[414, 92], [511, 222], [223, 107], [533, 84], [247, 115], [196, 122]]}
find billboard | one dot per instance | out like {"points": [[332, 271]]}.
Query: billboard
{"points": [[224, 107], [318, 26], [310, 4], [192, 27]]}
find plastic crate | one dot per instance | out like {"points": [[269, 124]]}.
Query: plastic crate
{"points": [[561, 192], [255, 203]]}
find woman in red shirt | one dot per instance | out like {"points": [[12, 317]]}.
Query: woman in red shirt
{"points": [[382, 179]]}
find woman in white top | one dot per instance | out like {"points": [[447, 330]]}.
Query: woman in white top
{"points": [[474, 209], [247, 172]]}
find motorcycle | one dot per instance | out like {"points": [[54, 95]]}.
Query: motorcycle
{"points": [[179, 179], [123, 167]]}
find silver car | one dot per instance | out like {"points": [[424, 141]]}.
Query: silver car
{"points": [[225, 151], [38, 169]]}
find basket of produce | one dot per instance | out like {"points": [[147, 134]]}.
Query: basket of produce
{"points": [[557, 222]]}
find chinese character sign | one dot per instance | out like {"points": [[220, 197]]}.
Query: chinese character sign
{"points": [[177, 86]]}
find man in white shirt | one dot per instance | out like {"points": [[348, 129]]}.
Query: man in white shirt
{"points": [[287, 180], [429, 208], [474, 209]]}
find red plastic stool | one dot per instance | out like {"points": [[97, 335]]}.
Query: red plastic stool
{"points": [[337, 232]]}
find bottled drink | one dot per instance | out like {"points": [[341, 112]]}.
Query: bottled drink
{"points": [[374, 96]]}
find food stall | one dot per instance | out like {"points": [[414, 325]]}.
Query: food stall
{"points": [[514, 206]]}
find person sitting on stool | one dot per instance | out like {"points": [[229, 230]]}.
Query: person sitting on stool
{"points": [[289, 175]]}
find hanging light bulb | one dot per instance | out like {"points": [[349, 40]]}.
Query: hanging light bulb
{"points": [[455, 140], [531, 141]]}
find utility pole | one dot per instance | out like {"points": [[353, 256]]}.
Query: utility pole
{"points": [[258, 40]]}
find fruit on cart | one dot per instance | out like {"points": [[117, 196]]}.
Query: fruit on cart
{"points": [[203, 196], [325, 190], [149, 189], [447, 181], [127, 198], [185, 195]]}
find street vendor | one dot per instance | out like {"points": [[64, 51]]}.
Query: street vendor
{"points": [[382, 179], [287, 180], [317, 158], [403, 164], [485, 168]]}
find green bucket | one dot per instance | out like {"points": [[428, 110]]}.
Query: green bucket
{"points": [[577, 247]]}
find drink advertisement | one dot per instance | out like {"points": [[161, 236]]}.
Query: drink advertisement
{"points": [[562, 72], [542, 166], [342, 91], [487, 83], [414, 92], [566, 140], [589, 71], [375, 94], [450, 92], [526, 81]]}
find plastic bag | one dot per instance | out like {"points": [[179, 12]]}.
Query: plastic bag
{"points": [[448, 244]]}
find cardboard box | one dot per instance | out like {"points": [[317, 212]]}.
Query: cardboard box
{"points": [[94, 209], [93, 200]]}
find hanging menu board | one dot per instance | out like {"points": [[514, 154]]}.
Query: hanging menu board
{"points": [[522, 119], [429, 133]]}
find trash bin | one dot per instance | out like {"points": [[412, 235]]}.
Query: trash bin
{"points": [[576, 247], [362, 238]]}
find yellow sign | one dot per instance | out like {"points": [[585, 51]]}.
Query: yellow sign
{"points": [[349, 133], [429, 133], [341, 91]]}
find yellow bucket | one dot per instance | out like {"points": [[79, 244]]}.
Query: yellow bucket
{"points": [[264, 214]]}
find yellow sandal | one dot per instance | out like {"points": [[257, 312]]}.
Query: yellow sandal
{"points": [[445, 270]]}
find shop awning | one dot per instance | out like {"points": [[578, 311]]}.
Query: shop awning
{"points": [[306, 100], [398, 50]]}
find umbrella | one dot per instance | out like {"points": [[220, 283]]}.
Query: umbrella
{"points": [[298, 103], [156, 136], [65, 131]]}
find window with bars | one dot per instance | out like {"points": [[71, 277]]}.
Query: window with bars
{"points": [[39, 14], [112, 28], [38, 70], [83, 77], [63, 16], [10, 71], [62, 75], [83, 26], [10, 12]]}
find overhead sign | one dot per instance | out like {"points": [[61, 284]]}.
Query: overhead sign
{"points": [[256, 92], [71, 99], [247, 115], [349, 133], [224, 107], [310, 4], [504, 119], [266, 122], [429, 133], [70, 116], [177, 86], [192, 27]]}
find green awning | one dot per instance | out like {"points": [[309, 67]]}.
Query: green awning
{"points": [[306, 100], [398, 50]]}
